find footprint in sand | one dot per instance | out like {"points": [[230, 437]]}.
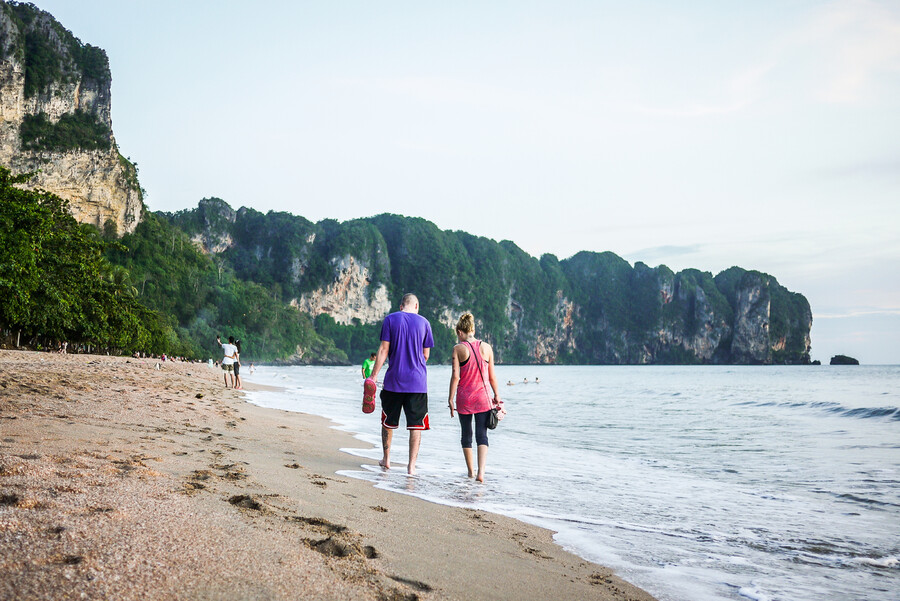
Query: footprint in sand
{"points": [[318, 523], [335, 547], [536, 552], [245, 502], [416, 584], [599, 579]]}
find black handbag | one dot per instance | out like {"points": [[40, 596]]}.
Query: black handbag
{"points": [[492, 419]]}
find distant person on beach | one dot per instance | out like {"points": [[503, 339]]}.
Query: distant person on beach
{"points": [[473, 369], [510, 383], [237, 366], [230, 351], [252, 369], [406, 343], [367, 366]]}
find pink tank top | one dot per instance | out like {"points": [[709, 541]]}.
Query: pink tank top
{"points": [[472, 392]]}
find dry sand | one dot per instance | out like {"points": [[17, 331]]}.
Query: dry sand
{"points": [[118, 481]]}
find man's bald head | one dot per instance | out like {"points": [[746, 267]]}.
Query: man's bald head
{"points": [[410, 303]]}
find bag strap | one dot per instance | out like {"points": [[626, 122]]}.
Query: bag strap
{"points": [[478, 365]]}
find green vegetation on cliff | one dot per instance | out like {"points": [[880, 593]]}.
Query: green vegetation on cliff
{"points": [[591, 308], [204, 298], [73, 131], [51, 53]]}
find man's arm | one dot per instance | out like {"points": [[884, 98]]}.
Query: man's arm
{"points": [[380, 358], [427, 352]]}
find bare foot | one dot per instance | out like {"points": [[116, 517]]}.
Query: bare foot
{"points": [[471, 474], [480, 478], [384, 464], [411, 470]]}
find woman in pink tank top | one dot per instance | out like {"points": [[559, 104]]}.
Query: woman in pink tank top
{"points": [[473, 375]]}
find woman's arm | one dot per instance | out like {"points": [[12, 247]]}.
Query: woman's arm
{"points": [[492, 378], [454, 381]]}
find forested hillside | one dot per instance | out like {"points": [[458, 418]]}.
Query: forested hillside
{"points": [[335, 281]]}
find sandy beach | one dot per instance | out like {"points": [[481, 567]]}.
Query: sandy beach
{"points": [[120, 481]]}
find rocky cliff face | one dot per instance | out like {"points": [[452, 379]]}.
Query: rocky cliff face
{"points": [[318, 269], [751, 342], [349, 298], [47, 75], [591, 308]]}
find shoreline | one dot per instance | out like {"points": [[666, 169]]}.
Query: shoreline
{"points": [[120, 481]]}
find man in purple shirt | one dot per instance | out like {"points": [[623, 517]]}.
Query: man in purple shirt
{"points": [[406, 342]]}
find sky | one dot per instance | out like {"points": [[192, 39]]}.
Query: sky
{"points": [[763, 134]]}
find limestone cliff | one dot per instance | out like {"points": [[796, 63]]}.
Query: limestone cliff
{"points": [[347, 298], [591, 308], [318, 268], [55, 119]]}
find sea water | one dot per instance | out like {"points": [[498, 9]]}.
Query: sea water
{"points": [[694, 483]]}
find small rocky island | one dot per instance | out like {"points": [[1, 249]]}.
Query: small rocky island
{"points": [[844, 360]]}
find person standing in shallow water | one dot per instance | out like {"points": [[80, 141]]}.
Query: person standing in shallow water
{"points": [[231, 353], [367, 366], [473, 369], [406, 343]]}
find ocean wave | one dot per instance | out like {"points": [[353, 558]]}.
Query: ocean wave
{"points": [[887, 413], [879, 562]]}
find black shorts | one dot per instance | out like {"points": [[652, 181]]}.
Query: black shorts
{"points": [[414, 405]]}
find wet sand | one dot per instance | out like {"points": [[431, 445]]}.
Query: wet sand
{"points": [[118, 481]]}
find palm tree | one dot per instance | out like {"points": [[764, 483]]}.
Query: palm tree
{"points": [[121, 280]]}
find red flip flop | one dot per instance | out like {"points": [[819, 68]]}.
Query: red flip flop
{"points": [[369, 388]]}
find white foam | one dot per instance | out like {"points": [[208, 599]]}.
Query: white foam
{"points": [[753, 593], [880, 562]]}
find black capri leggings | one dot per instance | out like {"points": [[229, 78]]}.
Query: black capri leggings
{"points": [[465, 420]]}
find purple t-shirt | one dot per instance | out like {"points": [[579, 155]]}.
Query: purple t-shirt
{"points": [[408, 334]]}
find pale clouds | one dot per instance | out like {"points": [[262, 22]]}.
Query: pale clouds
{"points": [[859, 42], [442, 91], [842, 52]]}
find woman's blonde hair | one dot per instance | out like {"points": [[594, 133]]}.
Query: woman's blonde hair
{"points": [[466, 323]]}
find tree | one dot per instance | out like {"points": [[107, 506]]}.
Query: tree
{"points": [[55, 281]]}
